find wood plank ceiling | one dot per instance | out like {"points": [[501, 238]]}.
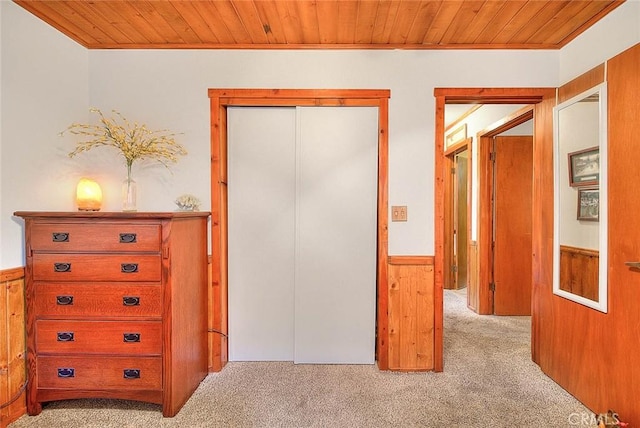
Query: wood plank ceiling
{"points": [[321, 24]]}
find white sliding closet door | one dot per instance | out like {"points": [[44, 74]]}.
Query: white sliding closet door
{"points": [[261, 204], [336, 217], [302, 195]]}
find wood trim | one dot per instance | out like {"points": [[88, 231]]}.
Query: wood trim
{"points": [[585, 81], [491, 95], [485, 225], [467, 95], [220, 99], [12, 274], [459, 146], [411, 260], [439, 232]]}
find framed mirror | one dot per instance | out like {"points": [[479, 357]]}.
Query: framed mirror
{"points": [[580, 203]]}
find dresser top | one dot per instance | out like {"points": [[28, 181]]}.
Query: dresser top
{"points": [[110, 215]]}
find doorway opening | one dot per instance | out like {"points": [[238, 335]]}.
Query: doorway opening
{"points": [[458, 208], [542, 100], [220, 100]]}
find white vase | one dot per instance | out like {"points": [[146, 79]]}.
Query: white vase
{"points": [[129, 195]]}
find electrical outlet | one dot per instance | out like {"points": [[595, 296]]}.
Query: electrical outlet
{"points": [[399, 213]]}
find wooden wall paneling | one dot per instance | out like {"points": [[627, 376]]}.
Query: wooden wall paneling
{"points": [[542, 220], [579, 269], [472, 288], [572, 331], [585, 81], [220, 99], [624, 237], [580, 348], [12, 345], [411, 313]]}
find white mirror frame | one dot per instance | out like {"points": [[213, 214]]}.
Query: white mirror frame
{"points": [[601, 304]]}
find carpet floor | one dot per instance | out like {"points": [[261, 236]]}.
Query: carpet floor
{"points": [[488, 381]]}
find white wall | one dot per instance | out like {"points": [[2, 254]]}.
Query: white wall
{"points": [[616, 32], [49, 81], [169, 89], [44, 88]]}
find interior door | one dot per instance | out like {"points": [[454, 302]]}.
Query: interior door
{"points": [[335, 302], [261, 206], [302, 234], [512, 255]]}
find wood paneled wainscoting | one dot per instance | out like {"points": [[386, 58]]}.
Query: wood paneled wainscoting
{"points": [[12, 346], [579, 271], [411, 313]]}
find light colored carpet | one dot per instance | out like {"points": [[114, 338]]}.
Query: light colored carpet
{"points": [[488, 381]]}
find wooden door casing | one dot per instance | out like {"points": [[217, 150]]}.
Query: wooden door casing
{"points": [[220, 100], [540, 111]]}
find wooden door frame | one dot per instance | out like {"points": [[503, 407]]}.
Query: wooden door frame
{"points": [[220, 100], [485, 205], [483, 96], [449, 164]]}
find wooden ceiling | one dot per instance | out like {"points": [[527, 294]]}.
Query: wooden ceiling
{"points": [[321, 24]]}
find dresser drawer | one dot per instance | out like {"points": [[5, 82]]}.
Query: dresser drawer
{"points": [[95, 237], [98, 337], [99, 373], [96, 267], [98, 299]]}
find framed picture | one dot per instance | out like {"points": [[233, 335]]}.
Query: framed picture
{"points": [[589, 204], [584, 167]]}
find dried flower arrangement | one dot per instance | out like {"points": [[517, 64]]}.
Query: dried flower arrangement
{"points": [[134, 142]]}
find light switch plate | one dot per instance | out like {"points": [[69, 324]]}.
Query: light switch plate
{"points": [[399, 213]]}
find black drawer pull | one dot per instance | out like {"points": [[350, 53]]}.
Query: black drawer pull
{"points": [[129, 267], [64, 300], [131, 301], [131, 337], [60, 237], [66, 372], [62, 267], [128, 238], [65, 336], [131, 373]]}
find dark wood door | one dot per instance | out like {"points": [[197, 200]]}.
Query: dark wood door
{"points": [[512, 255]]}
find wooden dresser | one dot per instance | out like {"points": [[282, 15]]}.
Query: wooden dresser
{"points": [[116, 306]]}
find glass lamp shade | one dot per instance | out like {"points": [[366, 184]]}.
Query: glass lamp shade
{"points": [[88, 195]]}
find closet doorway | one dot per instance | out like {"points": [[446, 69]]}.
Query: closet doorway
{"points": [[302, 234], [220, 101]]}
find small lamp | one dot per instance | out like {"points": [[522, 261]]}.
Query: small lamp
{"points": [[88, 195]]}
